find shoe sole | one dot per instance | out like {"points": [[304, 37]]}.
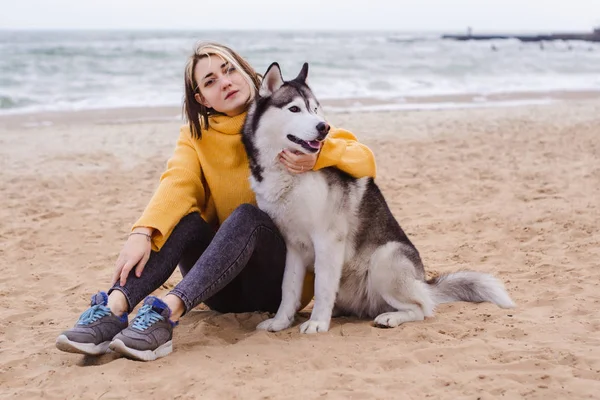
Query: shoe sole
{"points": [[118, 346], [63, 343]]}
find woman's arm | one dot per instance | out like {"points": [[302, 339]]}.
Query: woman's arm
{"points": [[180, 192]]}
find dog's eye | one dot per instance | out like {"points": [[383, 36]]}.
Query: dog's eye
{"points": [[294, 109], [315, 109]]}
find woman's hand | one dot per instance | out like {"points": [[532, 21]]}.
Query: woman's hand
{"points": [[135, 253], [297, 162]]}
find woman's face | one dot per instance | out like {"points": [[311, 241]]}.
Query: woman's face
{"points": [[222, 87]]}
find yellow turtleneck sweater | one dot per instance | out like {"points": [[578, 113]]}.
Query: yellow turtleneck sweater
{"points": [[211, 176]]}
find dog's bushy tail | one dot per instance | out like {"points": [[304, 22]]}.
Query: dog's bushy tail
{"points": [[474, 287]]}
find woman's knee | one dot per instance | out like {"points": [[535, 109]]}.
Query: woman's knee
{"points": [[189, 228], [248, 215], [191, 222]]}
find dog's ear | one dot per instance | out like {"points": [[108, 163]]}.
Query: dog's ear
{"points": [[271, 81], [303, 74]]}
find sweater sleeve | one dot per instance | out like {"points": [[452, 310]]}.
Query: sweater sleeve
{"points": [[180, 191], [342, 150]]}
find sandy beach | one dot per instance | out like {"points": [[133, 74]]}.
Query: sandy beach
{"points": [[511, 191]]}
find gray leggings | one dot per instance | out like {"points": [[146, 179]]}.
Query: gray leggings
{"points": [[239, 268]]}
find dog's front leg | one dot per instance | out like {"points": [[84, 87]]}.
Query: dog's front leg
{"points": [[291, 293], [329, 260]]}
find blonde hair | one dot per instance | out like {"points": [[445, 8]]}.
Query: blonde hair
{"points": [[197, 114]]}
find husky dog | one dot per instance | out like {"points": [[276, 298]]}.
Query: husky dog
{"points": [[341, 226]]}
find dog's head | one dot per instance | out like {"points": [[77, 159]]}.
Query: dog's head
{"points": [[286, 114]]}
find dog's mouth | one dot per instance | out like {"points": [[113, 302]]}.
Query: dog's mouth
{"points": [[313, 145]]}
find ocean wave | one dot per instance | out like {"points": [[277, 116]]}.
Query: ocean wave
{"points": [[78, 70], [9, 103]]}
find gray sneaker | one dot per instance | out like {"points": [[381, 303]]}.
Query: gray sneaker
{"points": [[94, 330], [150, 335]]}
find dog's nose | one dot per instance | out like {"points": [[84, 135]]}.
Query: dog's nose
{"points": [[323, 129]]}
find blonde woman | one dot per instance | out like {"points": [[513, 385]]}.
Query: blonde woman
{"points": [[203, 217]]}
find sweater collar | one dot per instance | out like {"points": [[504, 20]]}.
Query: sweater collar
{"points": [[227, 125]]}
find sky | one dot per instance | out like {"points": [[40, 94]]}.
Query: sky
{"points": [[398, 15]]}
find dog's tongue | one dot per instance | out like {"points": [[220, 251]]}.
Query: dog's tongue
{"points": [[315, 144]]}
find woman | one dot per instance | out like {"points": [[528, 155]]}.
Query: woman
{"points": [[203, 216]]}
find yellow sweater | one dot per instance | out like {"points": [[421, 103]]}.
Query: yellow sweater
{"points": [[211, 176]]}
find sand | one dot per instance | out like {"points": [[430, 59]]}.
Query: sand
{"points": [[510, 191]]}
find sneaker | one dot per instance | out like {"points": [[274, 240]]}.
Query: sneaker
{"points": [[150, 335], [94, 330]]}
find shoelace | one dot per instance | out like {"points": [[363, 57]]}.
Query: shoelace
{"points": [[93, 314], [146, 317]]}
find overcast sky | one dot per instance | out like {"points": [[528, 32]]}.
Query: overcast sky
{"points": [[403, 15]]}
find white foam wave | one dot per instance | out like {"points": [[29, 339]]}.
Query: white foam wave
{"points": [[44, 71]]}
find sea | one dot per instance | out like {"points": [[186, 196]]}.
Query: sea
{"points": [[81, 70]]}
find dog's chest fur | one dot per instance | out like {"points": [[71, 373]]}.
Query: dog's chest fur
{"points": [[297, 205], [308, 206]]}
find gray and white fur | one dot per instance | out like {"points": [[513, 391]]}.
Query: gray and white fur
{"points": [[341, 226]]}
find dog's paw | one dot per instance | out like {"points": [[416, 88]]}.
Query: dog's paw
{"points": [[273, 325], [311, 326], [390, 319]]}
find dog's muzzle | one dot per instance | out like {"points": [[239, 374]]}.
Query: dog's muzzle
{"points": [[323, 129], [312, 145]]}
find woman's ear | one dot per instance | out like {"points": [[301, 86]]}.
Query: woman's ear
{"points": [[201, 100]]}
